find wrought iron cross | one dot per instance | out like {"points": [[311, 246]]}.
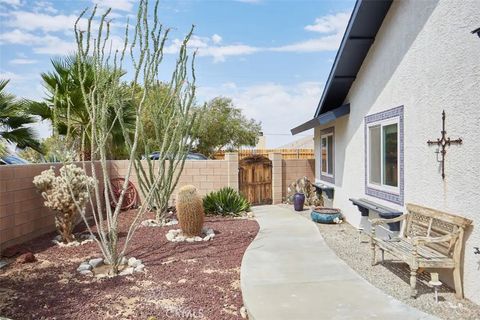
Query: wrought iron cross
{"points": [[443, 142]]}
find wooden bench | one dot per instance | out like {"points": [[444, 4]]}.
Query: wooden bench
{"points": [[430, 239]]}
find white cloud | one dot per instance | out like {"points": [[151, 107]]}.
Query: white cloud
{"points": [[32, 21], [23, 61], [332, 23], [45, 6], [120, 5], [13, 3], [278, 107], [327, 43], [207, 47], [216, 39], [8, 75], [46, 44], [332, 26]]}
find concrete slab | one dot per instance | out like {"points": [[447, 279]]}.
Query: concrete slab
{"points": [[289, 272]]}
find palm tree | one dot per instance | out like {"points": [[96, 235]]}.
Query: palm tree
{"points": [[64, 105], [14, 121]]}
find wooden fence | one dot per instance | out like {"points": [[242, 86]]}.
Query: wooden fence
{"points": [[286, 153]]}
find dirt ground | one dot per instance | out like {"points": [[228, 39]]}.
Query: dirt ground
{"points": [[198, 280]]}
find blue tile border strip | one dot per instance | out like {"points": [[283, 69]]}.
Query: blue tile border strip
{"points": [[323, 177], [384, 195]]}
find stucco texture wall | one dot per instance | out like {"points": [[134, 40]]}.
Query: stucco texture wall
{"points": [[426, 59]]}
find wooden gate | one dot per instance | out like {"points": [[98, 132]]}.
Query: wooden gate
{"points": [[255, 179]]}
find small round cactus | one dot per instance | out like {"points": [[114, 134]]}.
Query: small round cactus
{"points": [[190, 211]]}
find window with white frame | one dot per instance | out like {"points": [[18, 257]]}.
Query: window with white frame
{"points": [[327, 159], [383, 154]]}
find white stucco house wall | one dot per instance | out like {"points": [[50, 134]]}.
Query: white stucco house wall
{"points": [[417, 59]]}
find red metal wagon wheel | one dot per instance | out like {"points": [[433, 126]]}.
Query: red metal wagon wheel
{"points": [[130, 197]]}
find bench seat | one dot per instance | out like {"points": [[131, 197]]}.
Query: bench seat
{"points": [[427, 257]]}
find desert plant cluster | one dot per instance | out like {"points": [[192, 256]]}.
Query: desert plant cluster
{"points": [[65, 193], [225, 202]]}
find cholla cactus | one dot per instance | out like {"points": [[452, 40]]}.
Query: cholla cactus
{"points": [[60, 194], [190, 211]]}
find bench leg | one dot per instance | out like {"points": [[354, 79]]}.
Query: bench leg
{"points": [[457, 279], [413, 282], [374, 260]]}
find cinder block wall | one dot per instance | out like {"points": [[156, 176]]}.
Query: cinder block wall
{"points": [[22, 213], [294, 169], [24, 217], [206, 175]]}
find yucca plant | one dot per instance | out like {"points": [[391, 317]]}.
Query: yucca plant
{"points": [[225, 202]]}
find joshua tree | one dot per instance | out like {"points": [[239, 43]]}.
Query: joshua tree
{"points": [[13, 121], [143, 49]]}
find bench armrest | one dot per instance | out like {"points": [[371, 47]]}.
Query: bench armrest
{"points": [[378, 221], [448, 237]]}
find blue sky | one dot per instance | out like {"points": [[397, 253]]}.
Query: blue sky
{"points": [[271, 57]]}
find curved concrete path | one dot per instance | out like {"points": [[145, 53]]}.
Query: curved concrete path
{"points": [[289, 272]]}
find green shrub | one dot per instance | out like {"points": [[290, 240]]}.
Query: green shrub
{"points": [[225, 202]]}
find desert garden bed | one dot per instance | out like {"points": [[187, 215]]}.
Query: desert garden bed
{"points": [[199, 280]]}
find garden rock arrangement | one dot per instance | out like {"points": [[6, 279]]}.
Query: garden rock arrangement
{"points": [[99, 268], [176, 235], [155, 223], [83, 238], [303, 185]]}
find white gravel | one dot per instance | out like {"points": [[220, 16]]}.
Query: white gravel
{"points": [[393, 277]]}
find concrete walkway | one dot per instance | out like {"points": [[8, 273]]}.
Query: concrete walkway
{"points": [[289, 272]]}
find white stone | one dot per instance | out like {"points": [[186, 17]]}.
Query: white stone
{"points": [[84, 266], [126, 271], [172, 222], [198, 238], [139, 268], [170, 236], [243, 312], [132, 262], [86, 272], [190, 239], [95, 262]]}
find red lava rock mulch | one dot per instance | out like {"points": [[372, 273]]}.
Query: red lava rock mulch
{"points": [[199, 280]]}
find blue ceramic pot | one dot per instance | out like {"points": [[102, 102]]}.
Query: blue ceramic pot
{"points": [[325, 215], [298, 201]]}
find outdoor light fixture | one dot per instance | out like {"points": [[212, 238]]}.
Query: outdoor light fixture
{"points": [[477, 31]]}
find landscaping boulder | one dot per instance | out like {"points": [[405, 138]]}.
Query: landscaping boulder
{"points": [[303, 185]]}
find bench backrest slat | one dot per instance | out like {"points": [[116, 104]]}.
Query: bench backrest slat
{"points": [[426, 222]]}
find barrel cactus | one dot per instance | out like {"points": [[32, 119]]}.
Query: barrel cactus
{"points": [[190, 212], [66, 194]]}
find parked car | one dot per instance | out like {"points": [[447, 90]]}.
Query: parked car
{"points": [[190, 156], [12, 159]]}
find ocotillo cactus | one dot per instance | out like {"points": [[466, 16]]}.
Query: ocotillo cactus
{"points": [[190, 211]]}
